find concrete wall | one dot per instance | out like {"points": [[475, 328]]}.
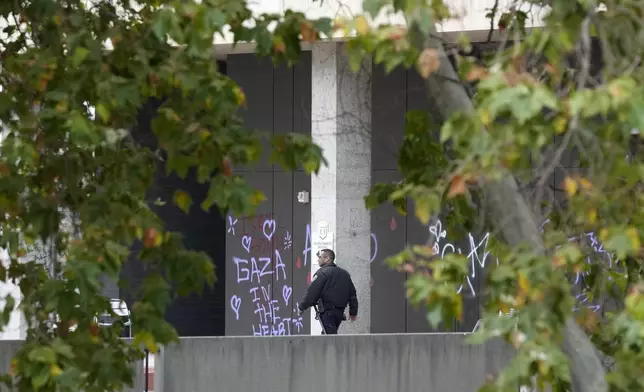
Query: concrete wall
{"points": [[403, 363], [386, 362]]}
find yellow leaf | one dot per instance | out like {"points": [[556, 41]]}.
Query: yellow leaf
{"points": [[204, 135], [257, 198], [524, 283], [558, 261], [183, 201], [55, 370], [62, 106], [603, 235], [485, 118], [339, 24], [585, 183], [592, 215], [428, 62], [362, 26], [560, 125], [241, 97], [422, 213], [633, 235], [570, 186], [158, 240], [147, 340]]}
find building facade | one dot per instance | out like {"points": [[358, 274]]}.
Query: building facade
{"points": [[265, 262]]}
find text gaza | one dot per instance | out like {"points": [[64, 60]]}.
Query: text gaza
{"points": [[257, 267]]}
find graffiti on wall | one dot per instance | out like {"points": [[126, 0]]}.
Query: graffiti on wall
{"points": [[270, 271], [265, 267], [260, 272], [477, 255]]}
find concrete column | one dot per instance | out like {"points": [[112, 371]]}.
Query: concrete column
{"points": [[341, 125]]}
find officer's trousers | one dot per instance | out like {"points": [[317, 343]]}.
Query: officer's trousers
{"points": [[331, 319]]}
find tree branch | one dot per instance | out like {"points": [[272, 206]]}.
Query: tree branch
{"points": [[503, 198]]}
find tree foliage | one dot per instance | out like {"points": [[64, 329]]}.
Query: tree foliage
{"points": [[74, 77], [565, 94], [75, 74]]}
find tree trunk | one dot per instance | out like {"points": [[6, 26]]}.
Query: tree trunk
{"points": [[503, 199]]}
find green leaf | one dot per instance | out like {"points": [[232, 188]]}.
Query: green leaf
{"points": [[183, 200], [103, 112], [373, 7], [323, 25], [426, 205], [80, 54], [9, 304], [41, 378], [422, 17], [81, 131], [435, 315], [62, 348], [215, 18], [42, 354]]}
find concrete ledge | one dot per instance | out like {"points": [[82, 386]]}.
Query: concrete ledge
{"points": [[351, 363], [356, 363]]}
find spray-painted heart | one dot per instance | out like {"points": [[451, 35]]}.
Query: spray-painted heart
{"points": [[286, 293], [246, 240], [269, 228], [235, 303]]}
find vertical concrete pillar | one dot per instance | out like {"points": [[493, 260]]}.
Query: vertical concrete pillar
{"points": [[341, 125]]}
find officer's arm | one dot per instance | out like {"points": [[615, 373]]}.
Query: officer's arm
{"points": [[313, 292], [353, 300]]}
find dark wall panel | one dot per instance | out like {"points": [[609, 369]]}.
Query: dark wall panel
{"points": [[302, 90], [388, 105], [282, 102], [301, 247], [255, 76], [392, 96], [283, 251], [278, 230], [195, 315], [389, 234], [417, 233], [389, 231]]}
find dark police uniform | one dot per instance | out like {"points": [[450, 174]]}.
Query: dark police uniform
{"points": [[333, 286]]}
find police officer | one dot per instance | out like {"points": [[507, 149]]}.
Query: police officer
{"points": [[332, 286]]}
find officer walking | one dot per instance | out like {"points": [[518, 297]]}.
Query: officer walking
{"points": [[332, 289]]}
